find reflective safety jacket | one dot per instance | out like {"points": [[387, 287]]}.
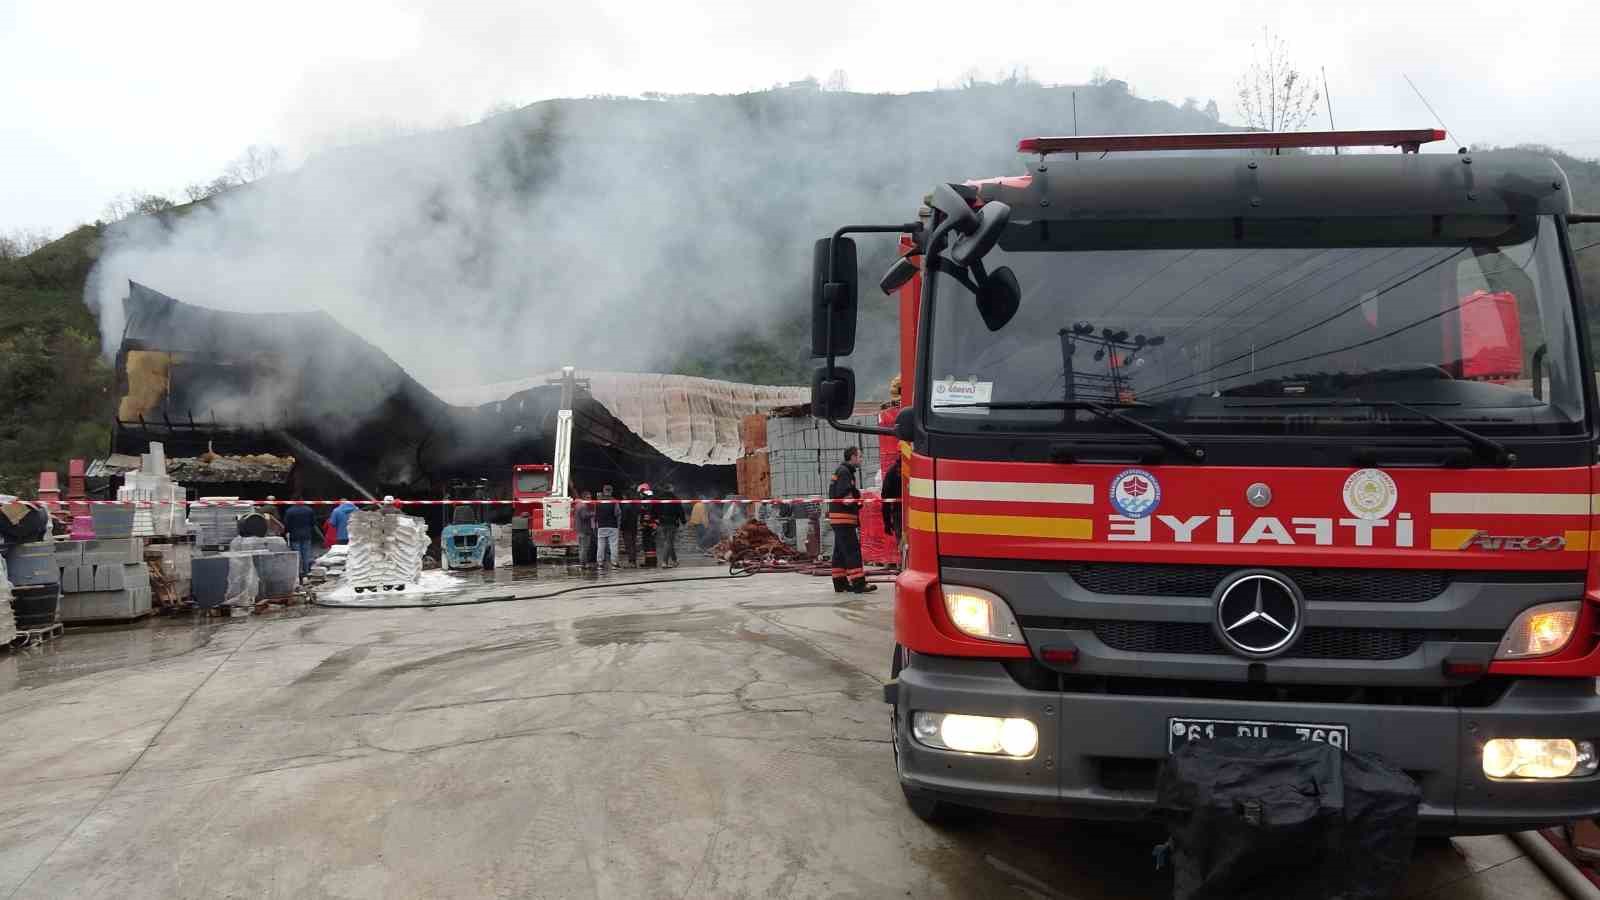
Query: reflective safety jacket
{"points": [[843, 487]]}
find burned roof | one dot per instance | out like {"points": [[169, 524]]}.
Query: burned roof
{"points": [[684, 418]]}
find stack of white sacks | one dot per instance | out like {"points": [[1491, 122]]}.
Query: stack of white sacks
{"points": [[8, 617], [386, 549], [160, 509], [330, 565]]}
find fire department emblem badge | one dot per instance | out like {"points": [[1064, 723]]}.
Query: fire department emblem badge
{"points": [[1370, 494], [1135, 493]]}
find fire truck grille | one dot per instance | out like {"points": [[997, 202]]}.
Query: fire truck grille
{"points": [[1155, 580], [1198, 638]]}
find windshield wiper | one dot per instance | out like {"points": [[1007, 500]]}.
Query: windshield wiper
{"points": [[1111, 411], [1490, 448]]}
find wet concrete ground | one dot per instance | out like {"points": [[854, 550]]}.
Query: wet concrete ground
{"points": [[709, 738]]}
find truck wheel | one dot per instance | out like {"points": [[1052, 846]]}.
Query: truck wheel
{"points": [[936, 812], [924, 806], [488, 559]]}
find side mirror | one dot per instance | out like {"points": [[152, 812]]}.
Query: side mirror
{"points": [[898, 274], [833, 298], [999, 297], [833, 393], [905, 424], [973, 247], [949, 202]]}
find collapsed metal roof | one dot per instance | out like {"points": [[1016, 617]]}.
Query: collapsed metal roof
{"points": [[684, 418], [301, 384]]}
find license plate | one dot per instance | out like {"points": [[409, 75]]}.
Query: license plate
{"points": [[1183, 731]]}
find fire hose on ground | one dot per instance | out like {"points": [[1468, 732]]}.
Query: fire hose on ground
{"points": [[1572, 881]]}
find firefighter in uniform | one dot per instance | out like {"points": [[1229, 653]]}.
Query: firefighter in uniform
{"points": [[844, 514]]}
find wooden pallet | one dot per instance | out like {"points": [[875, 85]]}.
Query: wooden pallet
{"points": [[33, 637]]}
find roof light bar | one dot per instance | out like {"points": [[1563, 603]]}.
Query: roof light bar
{"points": [[1408, 140]]}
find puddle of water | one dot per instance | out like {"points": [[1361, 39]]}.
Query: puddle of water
{"points": [[84, 651]]}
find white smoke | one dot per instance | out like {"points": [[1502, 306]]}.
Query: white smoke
{"points": [[608, 234]]}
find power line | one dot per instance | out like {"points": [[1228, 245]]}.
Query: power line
{"points": [[1430, 108], [1314, 325]]}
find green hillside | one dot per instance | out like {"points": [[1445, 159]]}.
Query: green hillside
{"points": [[55, 389]]}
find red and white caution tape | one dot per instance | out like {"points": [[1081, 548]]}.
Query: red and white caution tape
{"points": [[151, 504]]}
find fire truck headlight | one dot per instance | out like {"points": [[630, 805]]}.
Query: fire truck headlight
{"points": [[981, 614], [1540, 631], [1016, 738], [1538, 758]]}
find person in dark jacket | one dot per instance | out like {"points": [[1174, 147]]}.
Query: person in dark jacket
{"points": [[300, 527], [844, 514], [668, 512], [583, 515], [891, 500], [629, 530]]}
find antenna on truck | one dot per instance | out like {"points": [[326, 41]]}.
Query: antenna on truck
{"points": [[1429, 106]]}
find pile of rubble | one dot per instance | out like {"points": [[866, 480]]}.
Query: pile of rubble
{"points": [[754, 541]]}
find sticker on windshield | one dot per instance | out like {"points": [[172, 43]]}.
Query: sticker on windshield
{"points": [[951, 394], [1135, 493]]}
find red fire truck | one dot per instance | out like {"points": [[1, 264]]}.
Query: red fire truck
{"points": [[1238, 442], [532, 497]]}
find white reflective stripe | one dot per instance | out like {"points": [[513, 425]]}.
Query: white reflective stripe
{"points": [[1510, 504], [1011, 491]]}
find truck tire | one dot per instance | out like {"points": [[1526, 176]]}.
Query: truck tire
{"points": [[523, 552], [488, 559], [924, 806]]}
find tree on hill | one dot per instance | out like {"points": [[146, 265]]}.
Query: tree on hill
{"points": [[1274, 95], [19, 242], [255, 163]]}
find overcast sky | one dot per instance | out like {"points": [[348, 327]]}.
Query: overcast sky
{"points": [[103, 98]]}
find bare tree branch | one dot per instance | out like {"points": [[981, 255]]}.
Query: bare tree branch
{"points": [[1273, 94], [257, 162]]}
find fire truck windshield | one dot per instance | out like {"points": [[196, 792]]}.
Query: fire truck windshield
{"points": [[1238, 338], [533, 482]]}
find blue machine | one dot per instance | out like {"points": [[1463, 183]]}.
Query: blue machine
{"points": [[467, 542]]}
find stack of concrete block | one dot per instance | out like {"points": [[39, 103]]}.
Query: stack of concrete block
{"points": [[156, 500], [279, 573], [103, 579], [386, 549], [215, 520], [226, 579], [112, 521], [277, 566], [802, 453], [270, 543]]}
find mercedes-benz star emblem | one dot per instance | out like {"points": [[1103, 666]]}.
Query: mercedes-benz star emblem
{"points": [[1258, 613], [1258, 495]]}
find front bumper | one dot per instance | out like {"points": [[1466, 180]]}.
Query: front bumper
{"points": [[1099, 753]]}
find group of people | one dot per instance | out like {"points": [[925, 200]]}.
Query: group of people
{"points": [[297, 524], [613, 530]]}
